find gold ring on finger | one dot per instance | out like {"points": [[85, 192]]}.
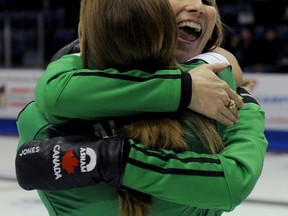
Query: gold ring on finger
{"points": [[231, 104]]}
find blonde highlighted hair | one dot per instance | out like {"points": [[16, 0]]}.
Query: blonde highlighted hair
{"points": [[217, 37]]}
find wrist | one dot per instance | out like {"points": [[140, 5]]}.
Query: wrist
{"points": [[186, 90]]}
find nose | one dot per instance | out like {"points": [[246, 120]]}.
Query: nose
{"points": [[194, 6]]}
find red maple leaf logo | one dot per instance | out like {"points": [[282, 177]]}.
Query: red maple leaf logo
{"points": [[69, 162]]}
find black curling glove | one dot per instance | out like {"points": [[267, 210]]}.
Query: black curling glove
{"points": [[66, 162], [70, 48]]}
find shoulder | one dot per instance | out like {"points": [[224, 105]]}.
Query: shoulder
{"points": [[211, 58], [234, 63]]}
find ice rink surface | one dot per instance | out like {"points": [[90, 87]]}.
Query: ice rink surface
{"points": [[269, 198]]}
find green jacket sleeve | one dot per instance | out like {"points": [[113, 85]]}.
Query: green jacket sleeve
{"points": [[31, 124], [209, 181], [103, 93], [219, 181]]}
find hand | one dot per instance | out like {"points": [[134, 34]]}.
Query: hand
{"points": [[71, 161], [72, 47], [211, 95]]}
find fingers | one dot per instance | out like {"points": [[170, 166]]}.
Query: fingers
{"points": [[211, 95], [235, 97], [216, 67], [227, 113], [231, 105], [229, 116], [232, 94], [223, 120]]}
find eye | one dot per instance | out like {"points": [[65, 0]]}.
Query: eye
{"points": [[206, 2]]}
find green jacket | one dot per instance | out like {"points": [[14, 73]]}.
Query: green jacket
{"points": [[188, 183]]}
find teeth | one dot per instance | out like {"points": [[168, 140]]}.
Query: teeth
{"points": [[190, 24]]}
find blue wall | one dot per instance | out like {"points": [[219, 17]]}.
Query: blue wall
{"points": [[8, 127], [278, 140]]}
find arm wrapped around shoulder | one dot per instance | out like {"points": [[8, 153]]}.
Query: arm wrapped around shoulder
{"points": [[72, 47], [71, 161]]}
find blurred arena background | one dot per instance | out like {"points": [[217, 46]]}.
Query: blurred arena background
{"points": [[257, 34]]}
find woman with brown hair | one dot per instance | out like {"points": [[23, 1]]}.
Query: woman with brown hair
{"points": [[155, 33]]}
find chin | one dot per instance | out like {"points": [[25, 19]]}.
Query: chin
{"points": [[188, 50], [182, 56]]}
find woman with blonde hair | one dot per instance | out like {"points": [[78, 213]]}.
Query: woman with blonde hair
{"points": [[215, 175]]}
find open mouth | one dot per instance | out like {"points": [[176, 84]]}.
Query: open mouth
{"points": [[189, 31]]}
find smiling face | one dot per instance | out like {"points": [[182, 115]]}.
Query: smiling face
{"points": [[196, 21]]}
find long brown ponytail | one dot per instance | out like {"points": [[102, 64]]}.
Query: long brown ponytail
{"points": [[140, 34]]}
